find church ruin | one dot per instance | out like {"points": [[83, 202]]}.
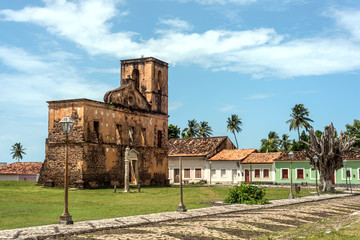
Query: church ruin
{"points": [[134, 115]]}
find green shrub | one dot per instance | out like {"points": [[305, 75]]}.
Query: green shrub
{"points": [[247, 194]]}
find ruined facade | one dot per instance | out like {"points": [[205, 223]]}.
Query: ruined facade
{"points": [[134, 115]]}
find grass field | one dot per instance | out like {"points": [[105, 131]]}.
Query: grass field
{"points": [[22, 204]]}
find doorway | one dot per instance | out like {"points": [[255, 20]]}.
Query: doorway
{"points": [[176, 175], [247, 176], [234, 176]]}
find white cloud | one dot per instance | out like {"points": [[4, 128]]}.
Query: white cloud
{"points": [[28, 89], [260, 52], [228, 108], [176, 24], [259, 96], [104, 70], [174, 105], [222, 2], [349, 20]]}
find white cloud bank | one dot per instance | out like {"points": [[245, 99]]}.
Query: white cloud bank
{"points": [[28, 89], [222, 2], [260, 52]]}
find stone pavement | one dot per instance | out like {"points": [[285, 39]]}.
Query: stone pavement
{"points": [[56, 230]]}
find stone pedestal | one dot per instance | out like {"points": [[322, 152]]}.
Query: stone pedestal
{"points": [[66, 218]]}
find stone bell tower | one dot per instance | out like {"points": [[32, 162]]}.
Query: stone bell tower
{"points": [[150, 76]]}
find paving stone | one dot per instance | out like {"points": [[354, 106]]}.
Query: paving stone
{"points": [[84, 227]]}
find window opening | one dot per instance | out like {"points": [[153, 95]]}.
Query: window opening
{"points": [[118, 134], [159, 138], [257, 173], [223, 172], [197, 172], [285, 173], [187, 173], [265, 173], [96, 129]]}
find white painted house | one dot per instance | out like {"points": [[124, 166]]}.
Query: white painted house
{"points": [[20, 171], [194, 154], [225, 167], [259, 167]]}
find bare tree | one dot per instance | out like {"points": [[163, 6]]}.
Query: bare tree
{"points": [[330, 150]]}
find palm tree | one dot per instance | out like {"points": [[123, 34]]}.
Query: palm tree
{"points": [[299, 118], [17, 151], [204, 129], [233, 125], [285, 142], [192, 130], [271, 144]]}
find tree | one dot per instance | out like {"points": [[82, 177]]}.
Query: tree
{"points": [[204, 129], [285, 142], [354, 131], [17, 151], [192, 130], [233, 125], [330, 150], [271, 144], [299, 118], [318, 134], [299, 145], [173, 131]]}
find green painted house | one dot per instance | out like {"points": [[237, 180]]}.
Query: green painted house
{"points": [[303, 174]]}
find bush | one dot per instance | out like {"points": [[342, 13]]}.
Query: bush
{"points": [[247, 194]]}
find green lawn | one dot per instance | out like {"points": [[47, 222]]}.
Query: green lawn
{"points": [[22, 204]]}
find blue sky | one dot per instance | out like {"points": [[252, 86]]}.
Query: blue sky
{"points": [[254, 58]]}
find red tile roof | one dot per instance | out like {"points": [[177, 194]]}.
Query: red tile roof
{"points": [[262, 157], [298, 156], [21, 168], [232, 154], [352, 155], [181, 147]]}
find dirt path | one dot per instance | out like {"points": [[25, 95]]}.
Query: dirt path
{"points": [[242, 225]]}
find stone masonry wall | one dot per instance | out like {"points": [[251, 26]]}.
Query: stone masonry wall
{"points": [[96, 156]]}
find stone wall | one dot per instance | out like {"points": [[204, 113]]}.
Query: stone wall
{"points": [[103, 131]]}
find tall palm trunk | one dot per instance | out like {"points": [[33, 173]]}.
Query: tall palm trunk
{"points": [[237, 145], [298, 133]]}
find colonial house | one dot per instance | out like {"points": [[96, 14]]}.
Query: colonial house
{"points": [[20, 171], [134, 114], [259, 167], [302, 171], [225, 167], [353, 165], [194, 154], [299, 169]]}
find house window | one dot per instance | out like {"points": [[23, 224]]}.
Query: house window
{"points": [[159, 139], [343, 173], [300, 173], [265, 173], [285, 173], [197, 172], [223, 173], [257, 173], [118, 132], [213, 172], [187, 173]]}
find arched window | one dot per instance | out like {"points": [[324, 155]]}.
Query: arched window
{"points": [[135, 76]]}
